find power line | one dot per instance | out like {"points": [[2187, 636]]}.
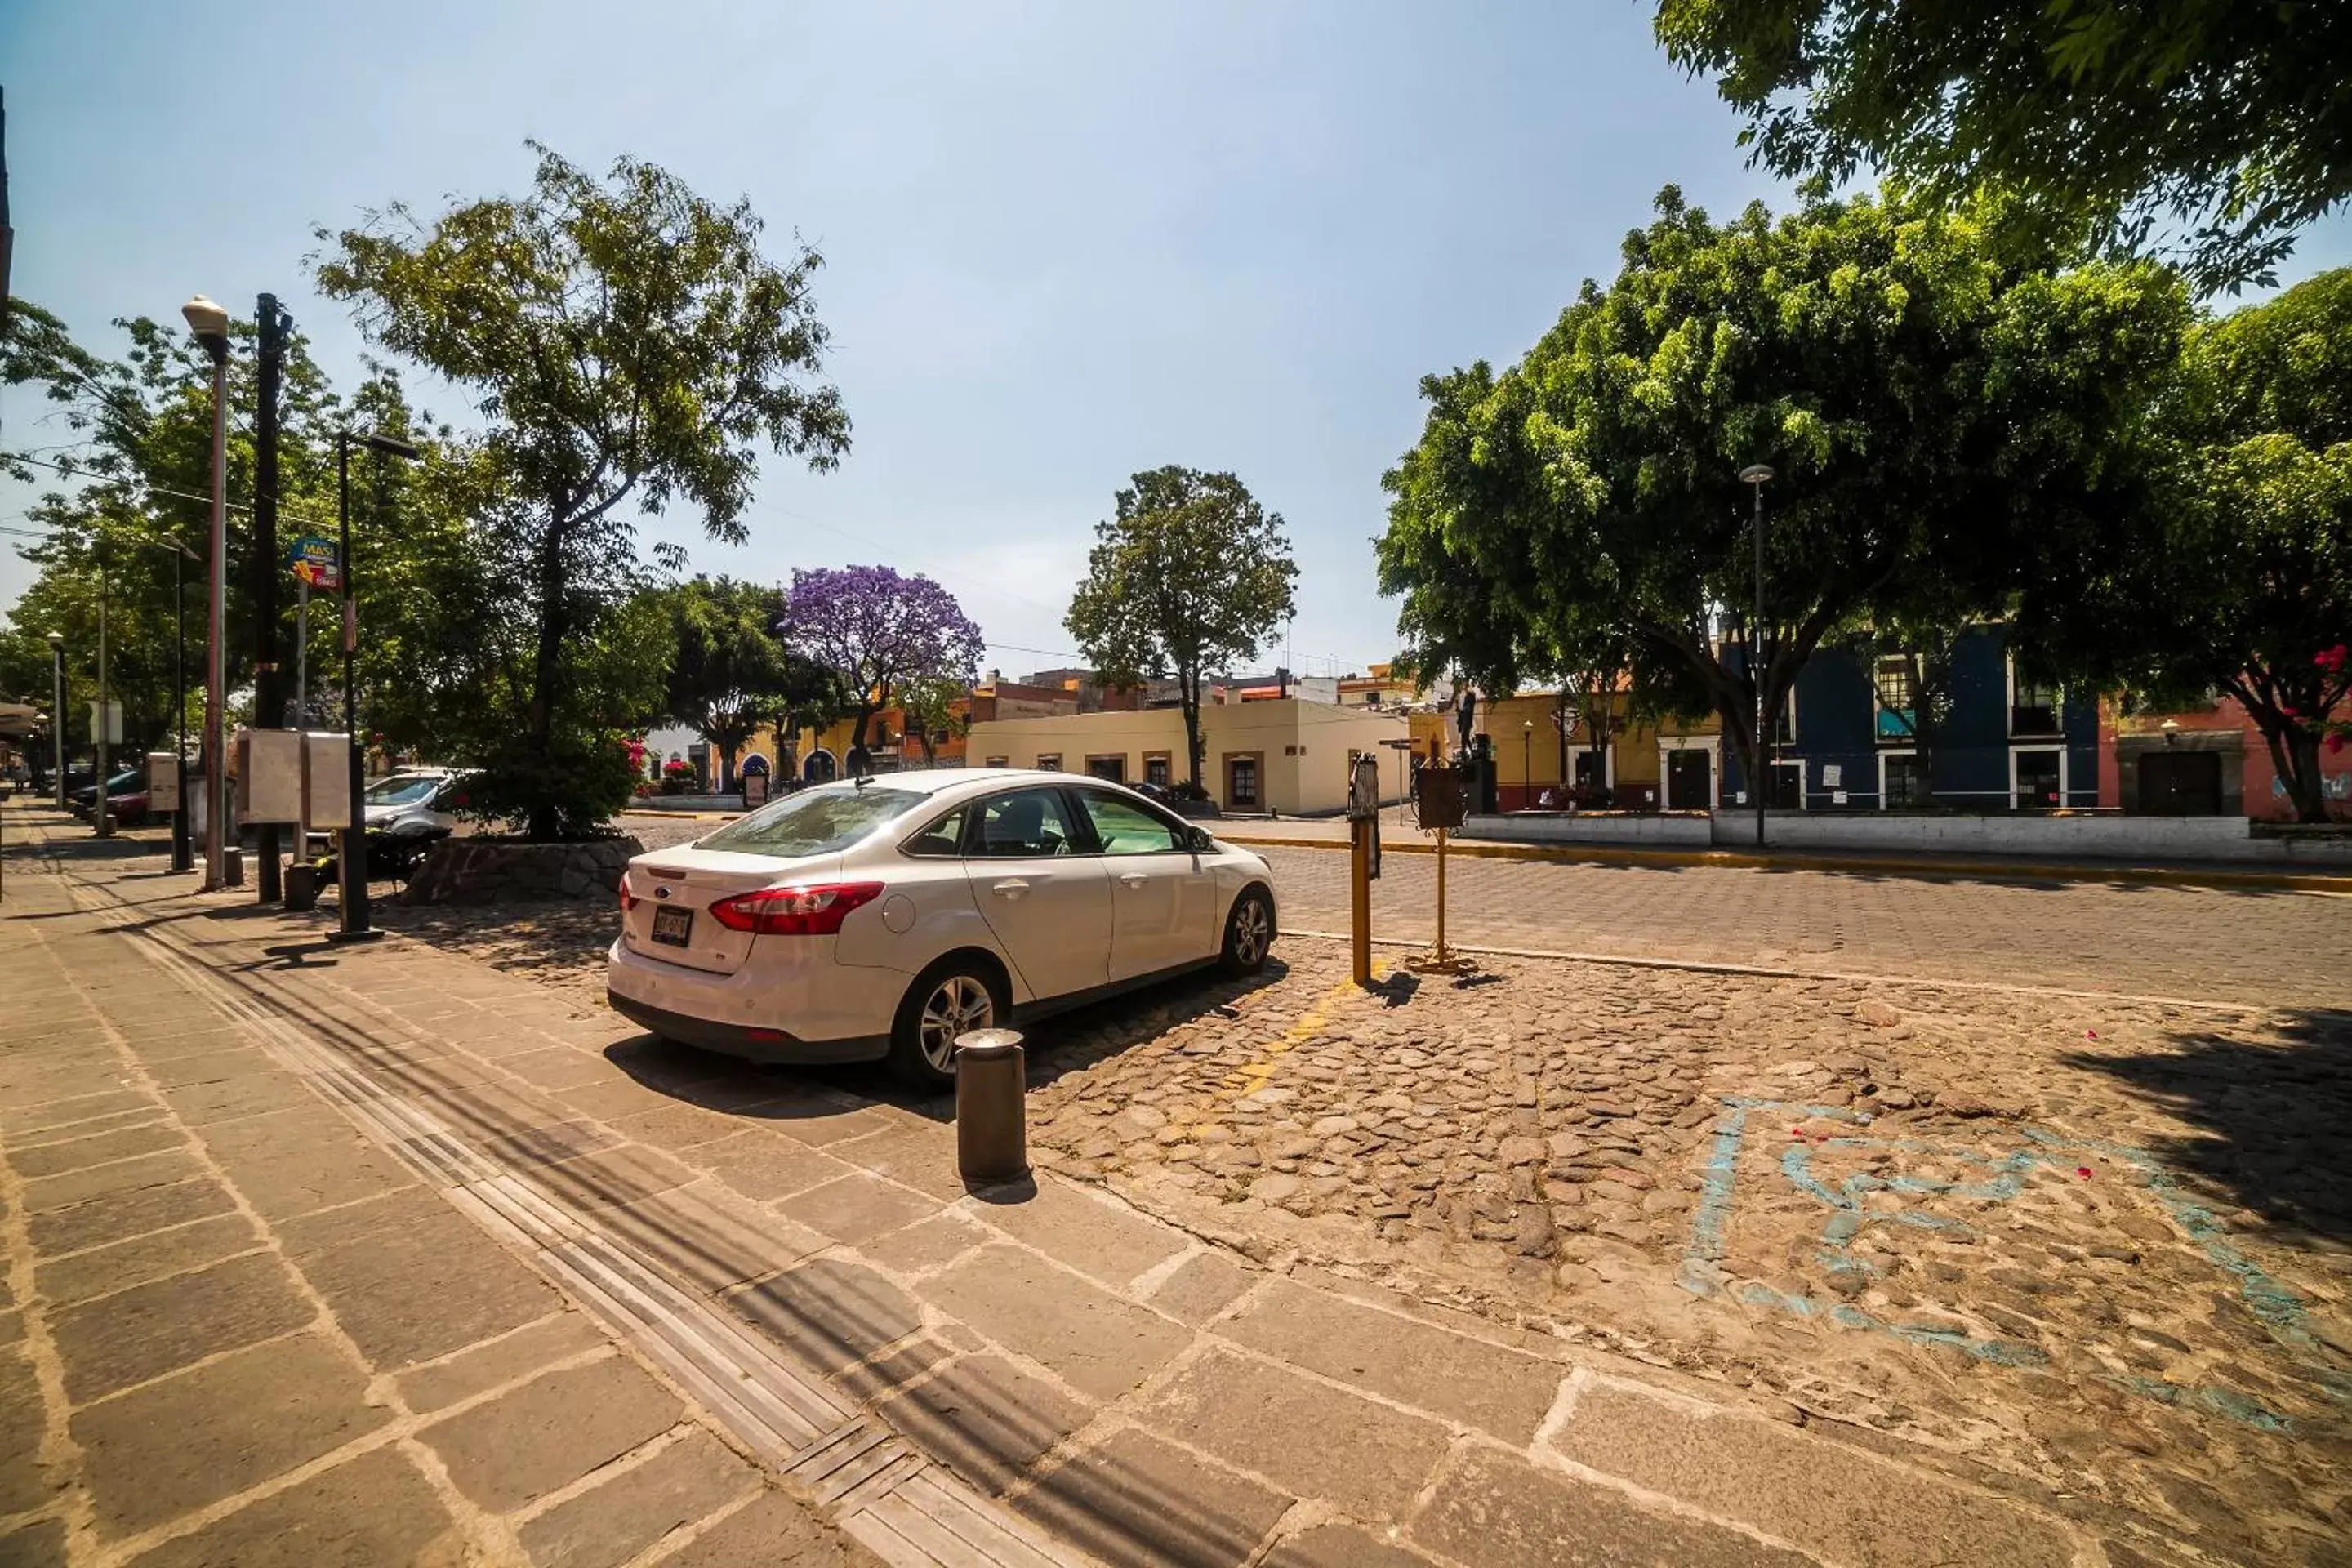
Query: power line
{"points": [[71, 472]]}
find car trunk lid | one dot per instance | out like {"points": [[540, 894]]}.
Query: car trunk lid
{"points": [[668, 895]]}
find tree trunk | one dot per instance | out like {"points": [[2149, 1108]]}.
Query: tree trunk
{"points": [[546, 667], [857, 730], [1188, 695], [2294, 753]]}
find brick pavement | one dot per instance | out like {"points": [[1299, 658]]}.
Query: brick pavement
{"points": [[673, 1258]]}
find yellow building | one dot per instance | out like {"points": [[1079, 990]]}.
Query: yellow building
{"points": [[1648, 767], [1288, 756]]}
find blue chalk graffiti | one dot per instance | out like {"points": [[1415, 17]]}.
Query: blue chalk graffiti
{"points": [[2276, 1305]]}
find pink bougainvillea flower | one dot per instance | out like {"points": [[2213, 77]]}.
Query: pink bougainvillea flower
{"points": [[2288, 711], [2090, 1034], [2083, 1172], [2331, 658]]}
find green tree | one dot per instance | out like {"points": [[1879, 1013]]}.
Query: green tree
{"points": [[1189, 575], [2226, 119], [135, 487], [929, 703], [2237, 577], [1925, 398], [731, 678], [137, 483], [629, 346]]}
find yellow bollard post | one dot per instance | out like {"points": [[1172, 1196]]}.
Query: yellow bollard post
{"points": [[1441, 954]]}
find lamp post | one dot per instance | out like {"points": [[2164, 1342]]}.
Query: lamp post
{"points": [[209, 322], [57, 712], [1757, 475], [351, 853], [1527, 764]]}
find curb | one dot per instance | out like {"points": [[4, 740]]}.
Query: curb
{"points": [[1609, 854]]}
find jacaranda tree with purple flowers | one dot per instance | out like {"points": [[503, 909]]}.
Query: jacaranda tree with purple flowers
{"points": [[878, 630]]}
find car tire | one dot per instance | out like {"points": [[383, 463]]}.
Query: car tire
{"points": [[954, 995], [1249, 933]]}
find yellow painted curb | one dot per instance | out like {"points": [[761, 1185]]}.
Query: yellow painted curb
{"points": [[1610, 855]]}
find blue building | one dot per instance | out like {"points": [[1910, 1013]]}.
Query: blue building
{"points": [[1846, 742]]}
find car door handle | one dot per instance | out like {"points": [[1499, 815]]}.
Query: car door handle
{"points": [[1133, 878], [1010, 888]]}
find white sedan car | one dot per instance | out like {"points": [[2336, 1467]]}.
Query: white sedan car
{"points": [[881, 919]]}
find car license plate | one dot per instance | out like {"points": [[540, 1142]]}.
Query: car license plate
{"points": [[673, 926]]}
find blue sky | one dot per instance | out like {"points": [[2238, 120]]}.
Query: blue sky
{"points": [[1064, 241]]}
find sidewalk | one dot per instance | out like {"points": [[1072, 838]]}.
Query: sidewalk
{"points": [[377, 1254]]}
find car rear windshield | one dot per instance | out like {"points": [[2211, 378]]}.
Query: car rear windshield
{"points": [[814, 821], [401, 792]]}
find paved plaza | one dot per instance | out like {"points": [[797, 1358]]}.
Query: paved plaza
{"points": [[414, 1252]]}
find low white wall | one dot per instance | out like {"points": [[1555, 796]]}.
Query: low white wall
{"points": [[2097, 837], [1680, 831], [2102, 837]]}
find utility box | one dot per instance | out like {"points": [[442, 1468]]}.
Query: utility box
{"points": [[164, 781], [326, 779], [269, 776]]}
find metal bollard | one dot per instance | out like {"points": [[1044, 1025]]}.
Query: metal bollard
{"points": [[992, 1106], [302, 886]]}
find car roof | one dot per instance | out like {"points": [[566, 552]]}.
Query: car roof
{"points": [[939, 781]]}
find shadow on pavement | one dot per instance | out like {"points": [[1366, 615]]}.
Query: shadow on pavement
{"points": [[1056, 1045], [2277, 1110]]}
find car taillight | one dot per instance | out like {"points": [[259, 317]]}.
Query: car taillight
{"points": [[815, 911], [628, 898]]}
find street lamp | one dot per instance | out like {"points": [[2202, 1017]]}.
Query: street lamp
{"points": [[57, 712], [351, 855], [209, 322], [1527, 765], [1757, 476]]}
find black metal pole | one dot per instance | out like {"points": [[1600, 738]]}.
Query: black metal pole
{"points": [[267, 702], [1756, 674], [351, 855], [182, 859]]}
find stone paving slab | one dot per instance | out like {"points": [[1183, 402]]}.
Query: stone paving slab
{"points": [[1858, 1508], [1128, 1382], [247, 1333], [550, 1432]]}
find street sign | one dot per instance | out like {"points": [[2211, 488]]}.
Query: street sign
{"points": [[316, 562]]}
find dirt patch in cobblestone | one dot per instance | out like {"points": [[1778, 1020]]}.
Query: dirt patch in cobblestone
{"points": [[1999, 1224]]}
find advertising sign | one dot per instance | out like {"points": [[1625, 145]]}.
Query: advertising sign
{"points": [[316, 562]]}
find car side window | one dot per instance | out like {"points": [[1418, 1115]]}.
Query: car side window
{"points": [[943, 837], [1125, 829], [1027, 824]]}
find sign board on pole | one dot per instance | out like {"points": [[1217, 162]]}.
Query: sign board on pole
{"points": [[163, 781], [269, 776], [113, 722], [326, 779], [316, 562]]}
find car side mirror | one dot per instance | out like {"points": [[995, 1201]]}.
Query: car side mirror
{"points": [[1199, 840]]}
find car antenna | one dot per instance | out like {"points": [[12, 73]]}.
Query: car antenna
{"points": [[863, 780]]}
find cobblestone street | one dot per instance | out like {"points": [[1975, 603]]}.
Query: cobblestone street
{"points": [[2097, 1243]]}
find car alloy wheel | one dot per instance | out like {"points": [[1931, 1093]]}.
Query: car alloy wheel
{"points": [[1252, 926], [956, 1006]]}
